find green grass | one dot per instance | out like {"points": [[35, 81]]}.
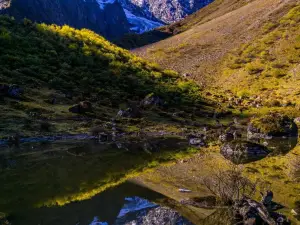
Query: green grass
{"points": [[53, 61], [269, 65]]}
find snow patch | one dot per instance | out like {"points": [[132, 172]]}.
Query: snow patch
{"points": [[140, 24], [103, 3]]}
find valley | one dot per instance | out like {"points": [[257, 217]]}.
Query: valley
{"points": [[196, 124]]}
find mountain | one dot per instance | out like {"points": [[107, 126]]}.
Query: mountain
{"points": [[108, 19], [165, 11], [145, 15]]}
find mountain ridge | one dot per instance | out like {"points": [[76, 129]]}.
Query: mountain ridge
{"points": [[110, 18]]}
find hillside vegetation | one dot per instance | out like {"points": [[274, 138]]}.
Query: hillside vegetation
{"points": [[206, 38], [269, 65], [58, 67]]}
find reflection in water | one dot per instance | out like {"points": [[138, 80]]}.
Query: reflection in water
{"points": [[111, 207], [280, 146], [243, 152], [58, 173], [106, 207], [139, 211]]}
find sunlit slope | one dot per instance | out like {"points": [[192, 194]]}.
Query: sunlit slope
{"points": [[270, 64], [201, 49], [49, 61]]}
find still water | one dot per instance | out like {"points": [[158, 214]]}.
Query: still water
{"points": [[85, 182]]}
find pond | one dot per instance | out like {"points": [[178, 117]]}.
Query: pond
{"points": [[89, 182]]}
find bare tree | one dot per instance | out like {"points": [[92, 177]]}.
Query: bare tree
{"points": [[229, 185]]}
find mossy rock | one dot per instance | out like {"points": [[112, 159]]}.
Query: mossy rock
{"points": [[274, 124]]}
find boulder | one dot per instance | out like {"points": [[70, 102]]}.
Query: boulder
{"points": [[82, 107], [129, 113], [243, 151], [152, 100], [197, 142], [227, 137], [273, 124], [251, 212]]}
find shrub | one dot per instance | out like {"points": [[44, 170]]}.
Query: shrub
{"points": [[254, 68], [273, 103], [278, 73], [269, 27], [170, 73]]}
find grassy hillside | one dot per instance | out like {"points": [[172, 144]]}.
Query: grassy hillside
{"points": [[68, 65], [269, 65], [206, 38], [215, 9]]}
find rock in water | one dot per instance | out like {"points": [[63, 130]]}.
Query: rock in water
{"points": [[243, 151]]}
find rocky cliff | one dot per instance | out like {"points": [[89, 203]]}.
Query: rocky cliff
{"points": [[110, 20], [165, 11]]}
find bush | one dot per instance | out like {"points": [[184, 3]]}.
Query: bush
{"points": [[254, 68], [170, 73]]}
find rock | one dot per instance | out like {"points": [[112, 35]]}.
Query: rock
{"points": [[161, 216], [184, 190], [82, 107], [186, 75], [109, 21], [227, 137], [197, 142], [152, 100], [252, 212], [243, 151], [273, 124], [267, 199]]}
